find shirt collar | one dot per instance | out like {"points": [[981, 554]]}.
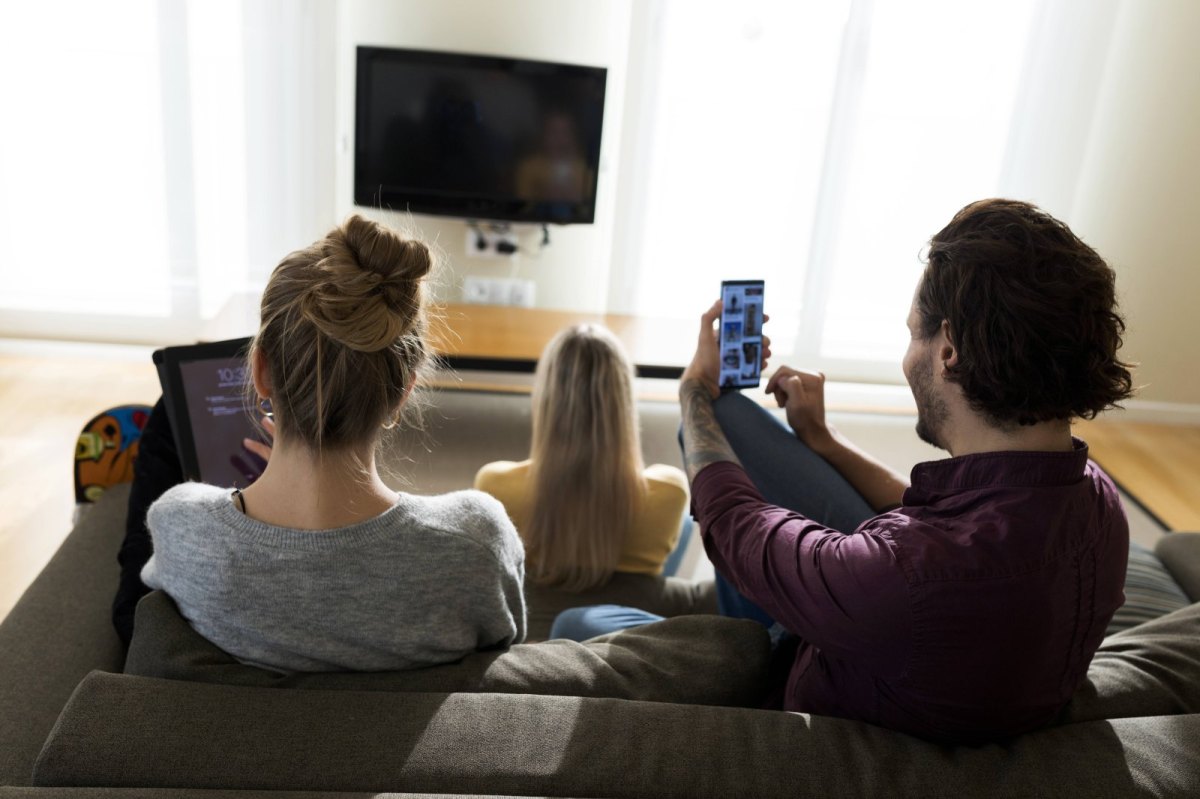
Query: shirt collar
{"points": [[995, 470]]}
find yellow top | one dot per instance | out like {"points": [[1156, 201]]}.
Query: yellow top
{"points": [[655, 529]]}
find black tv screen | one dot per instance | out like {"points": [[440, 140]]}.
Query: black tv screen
{"points": [[477, 137]]}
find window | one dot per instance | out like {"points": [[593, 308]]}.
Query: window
{"points": [[82, 189], [152, 153], [818, 145]]}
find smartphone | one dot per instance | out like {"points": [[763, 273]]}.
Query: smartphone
{"points": [[740, 337]]}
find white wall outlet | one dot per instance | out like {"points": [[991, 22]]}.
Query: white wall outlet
{"points": [[498, 295], [521, 293], [477, 290], [498, 291], [486, 242]]}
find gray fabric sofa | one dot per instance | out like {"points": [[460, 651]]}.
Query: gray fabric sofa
{"points": [[534, 721]]}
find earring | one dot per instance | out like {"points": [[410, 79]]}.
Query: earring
{"points": [[264, 405]]}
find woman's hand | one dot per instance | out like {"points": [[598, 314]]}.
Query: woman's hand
{"points": [[257, 447], [257, 454], [802, 395]]}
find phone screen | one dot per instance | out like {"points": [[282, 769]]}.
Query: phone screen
{"points": [[741, 333]]}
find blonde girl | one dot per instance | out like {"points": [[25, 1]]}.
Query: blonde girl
{"points": [[584, 503]]}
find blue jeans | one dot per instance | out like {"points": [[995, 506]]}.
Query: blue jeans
{"points": [[786, 472], [675, 559]]}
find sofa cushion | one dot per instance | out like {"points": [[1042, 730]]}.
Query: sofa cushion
{"points": [[1180, 553], [139, 732], [691, 659], [664, 596], [1149, 670], [1150, 591]]}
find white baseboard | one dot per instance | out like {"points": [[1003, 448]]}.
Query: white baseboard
{"points": [[878, 398], [1177, 413], [892, 399], [50, 348]]}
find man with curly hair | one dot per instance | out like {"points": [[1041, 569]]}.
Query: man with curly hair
{"points": [[966, 605]]}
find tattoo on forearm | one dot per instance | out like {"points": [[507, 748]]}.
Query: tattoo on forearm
{"points": [[703, 440]]}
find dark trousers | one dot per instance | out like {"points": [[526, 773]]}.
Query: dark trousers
{"points": [[155, 469], [788, 474]]}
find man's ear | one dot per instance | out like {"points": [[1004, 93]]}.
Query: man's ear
{"points": [[260, 374], [947, 352]]}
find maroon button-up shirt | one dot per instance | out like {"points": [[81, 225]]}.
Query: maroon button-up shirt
{"points": [[969, 613]]}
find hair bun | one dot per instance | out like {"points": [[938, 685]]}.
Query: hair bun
{"points": [[381, 250], [367, 292]]}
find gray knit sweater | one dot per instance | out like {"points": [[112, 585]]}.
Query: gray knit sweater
{"points": [[426, 582]]}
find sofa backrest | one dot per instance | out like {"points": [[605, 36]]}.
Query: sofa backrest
{"points": [[1128, 729], [120, 730], [690, 660]]}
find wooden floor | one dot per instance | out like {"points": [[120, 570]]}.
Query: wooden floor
{"points": [[45, 398], [48, 391], [1158, 464]]}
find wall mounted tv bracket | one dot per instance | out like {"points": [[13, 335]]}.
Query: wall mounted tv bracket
{"points": [[497, 239], [491, 239]]}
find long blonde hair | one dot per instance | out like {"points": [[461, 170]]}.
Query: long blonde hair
{"points": [[344, 334], [586, 455]]}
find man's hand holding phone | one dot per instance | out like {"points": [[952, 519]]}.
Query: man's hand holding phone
{"points": [[705, 366]]}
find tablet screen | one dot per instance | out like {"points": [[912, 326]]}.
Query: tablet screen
{"points": [[204, 391], [215, 393]]}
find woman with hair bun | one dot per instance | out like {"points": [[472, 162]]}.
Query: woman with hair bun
{"points": [[318, 565], [584, 503]]}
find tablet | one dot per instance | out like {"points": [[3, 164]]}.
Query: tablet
{"points": [[206, 399]]}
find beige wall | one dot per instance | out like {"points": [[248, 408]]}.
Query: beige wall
{"points": [[1138, 200], [573, 272]]}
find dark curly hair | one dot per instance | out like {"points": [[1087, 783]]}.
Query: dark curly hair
{"points": [[1032, 311]]}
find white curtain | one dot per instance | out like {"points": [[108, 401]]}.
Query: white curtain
{"points": [[818, 144], [158, 157]]}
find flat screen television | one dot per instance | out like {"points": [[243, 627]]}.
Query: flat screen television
{"points": [[477, 137]]}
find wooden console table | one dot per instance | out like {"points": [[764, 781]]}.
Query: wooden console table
{"points": [[508, 339]]}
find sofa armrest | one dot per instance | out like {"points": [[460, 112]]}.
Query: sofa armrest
{"points": [[1180, 553], [59, 630]]}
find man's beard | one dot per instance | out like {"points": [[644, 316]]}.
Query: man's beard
{"points": [[931, 409]]}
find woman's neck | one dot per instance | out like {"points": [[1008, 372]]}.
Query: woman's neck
{"points": [[300, 491]]}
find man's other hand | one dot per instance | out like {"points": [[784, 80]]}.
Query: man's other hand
{"points": [[802, 395]]}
